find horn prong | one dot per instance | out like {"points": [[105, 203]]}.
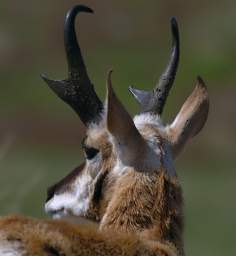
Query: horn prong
{"points": [[142, 96], [58, 86]]}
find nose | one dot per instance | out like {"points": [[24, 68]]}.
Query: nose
{"points": [[56, 211], [53, 210]]}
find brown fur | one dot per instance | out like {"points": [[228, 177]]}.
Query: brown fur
{"points": [[47, 237], [130, 190], [139, 212], [148, 204]]}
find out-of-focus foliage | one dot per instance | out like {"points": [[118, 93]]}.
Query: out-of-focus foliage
{"points": [[40, 136]]}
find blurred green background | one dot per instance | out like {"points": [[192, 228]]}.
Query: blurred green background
{"points": [[40, 136]]}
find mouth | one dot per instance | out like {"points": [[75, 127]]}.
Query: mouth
{"points": [[63, 215], [58, 215]]}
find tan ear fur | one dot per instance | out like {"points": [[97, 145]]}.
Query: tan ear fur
{"points": [[131, 147], [190, 119]]}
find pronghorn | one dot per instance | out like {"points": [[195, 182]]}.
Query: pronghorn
{"points": [[127, 188]]}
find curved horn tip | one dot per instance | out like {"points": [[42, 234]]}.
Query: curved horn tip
{"points": [[174, 27], [80, 8], [174, 22]]}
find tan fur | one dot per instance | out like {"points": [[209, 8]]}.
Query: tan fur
{"points": [[147, 206], [138, 212], [147, 203], [45, 238]]}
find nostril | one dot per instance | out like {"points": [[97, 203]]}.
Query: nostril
{"points": [[55, 211]]}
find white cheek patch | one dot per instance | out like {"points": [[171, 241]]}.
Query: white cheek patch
{"points": [[74, 202], [61, 203]]}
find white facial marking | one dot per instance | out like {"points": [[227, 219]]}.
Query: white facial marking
{"points": [[75, 201]]}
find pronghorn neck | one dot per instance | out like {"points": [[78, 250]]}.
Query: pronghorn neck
{"points": [[147, 204], [169, 211]]}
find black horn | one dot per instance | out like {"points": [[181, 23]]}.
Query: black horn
{"points": [[77, 90], [154, 101]]}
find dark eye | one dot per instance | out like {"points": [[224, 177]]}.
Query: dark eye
{"points": [[90, 152]]}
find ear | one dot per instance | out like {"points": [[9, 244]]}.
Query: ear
{"points": [[130, 146], [191, 118]]}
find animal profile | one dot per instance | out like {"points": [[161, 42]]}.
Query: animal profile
{"points": [[127, 189]]}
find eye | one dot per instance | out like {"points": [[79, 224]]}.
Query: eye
{"points": [[90, 152]]}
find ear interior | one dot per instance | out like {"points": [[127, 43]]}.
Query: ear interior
{"points": [[190, 119], [129, 144]]}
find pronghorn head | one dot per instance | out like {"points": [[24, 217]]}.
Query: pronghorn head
{"points": [[118, 148]]}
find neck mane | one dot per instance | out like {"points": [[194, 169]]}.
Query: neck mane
{"points": [[148, 205]]}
